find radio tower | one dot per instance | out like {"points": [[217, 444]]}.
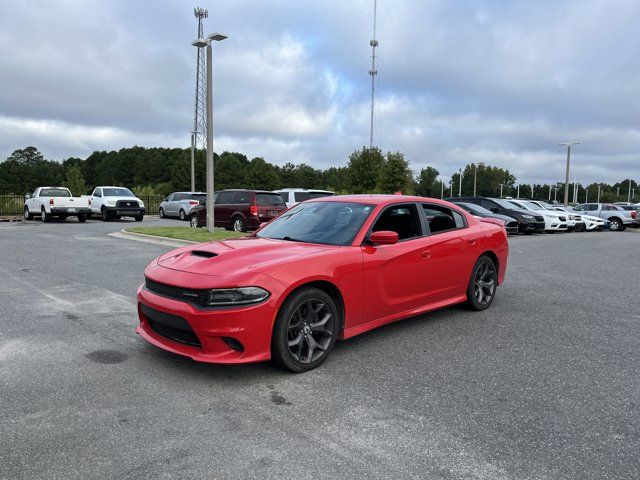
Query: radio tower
{"points": [[373, 72], [199, 114]]}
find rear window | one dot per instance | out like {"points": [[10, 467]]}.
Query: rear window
{"points": [[320, 195], [198, 196], [301, 196], [54, 192], [269, 200]]}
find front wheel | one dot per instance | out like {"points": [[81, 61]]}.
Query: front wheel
{"points": [[579, 227], [27, 214], [483, 283], [238, 225], [161, 212], [615, 224], [105, 215], [305, 330], [139, 218], [194, 222]]}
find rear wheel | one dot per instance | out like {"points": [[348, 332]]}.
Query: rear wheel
{"points": [[82, 218], [238, 224], [44, 216], [305, 331], [483, 283], [182, 215]]}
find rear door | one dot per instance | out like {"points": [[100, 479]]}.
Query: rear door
{"points": [[454, 247], [223, 205]]}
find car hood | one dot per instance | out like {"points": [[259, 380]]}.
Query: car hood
{"points": [[232, 257], [117, 199]]}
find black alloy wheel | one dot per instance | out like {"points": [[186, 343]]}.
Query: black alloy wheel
{"points": [[483, 283], [306, 330]]}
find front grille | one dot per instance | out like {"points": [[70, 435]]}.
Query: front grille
{"points": [[127, 204], [198, 297], [170, 326], [539, 218]]}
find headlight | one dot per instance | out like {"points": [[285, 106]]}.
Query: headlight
{"points": [[141, 203], [111, 203], [236, 296], [527, 216]]}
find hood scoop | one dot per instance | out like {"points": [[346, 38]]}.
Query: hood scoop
{"points": [[203, 254]]}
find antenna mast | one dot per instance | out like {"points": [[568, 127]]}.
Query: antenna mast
{"points": [[373, 72], [199, 114]]}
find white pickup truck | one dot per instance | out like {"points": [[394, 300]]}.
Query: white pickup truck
{"points": [[58, 202], [116, 202]]}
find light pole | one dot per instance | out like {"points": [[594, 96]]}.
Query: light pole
{"points": [[598, 200], [501, 185], [549, 193], [475, 178], [460, 186], [629, 193], [566, 178], [555, 194], [202, 42], [617, 193], [586, 195], [518, 194], [441, 189], [532, 191]]}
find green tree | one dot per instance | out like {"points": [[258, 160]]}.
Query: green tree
{"points": [[363, 169], [261, 175], [75, 181], [394, 174], [426, 184]]}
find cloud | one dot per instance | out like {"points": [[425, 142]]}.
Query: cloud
{"points": [[499, 82]]}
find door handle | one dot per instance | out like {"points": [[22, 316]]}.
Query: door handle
{"points": [[471, 241], [426, 254]]}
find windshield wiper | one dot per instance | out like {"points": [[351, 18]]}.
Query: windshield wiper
{"points": [[291, 239]]}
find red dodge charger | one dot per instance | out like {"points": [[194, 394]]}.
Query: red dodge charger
{"points": [[327, 269]]}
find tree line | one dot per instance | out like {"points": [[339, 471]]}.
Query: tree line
{"points": [[159, 171]]}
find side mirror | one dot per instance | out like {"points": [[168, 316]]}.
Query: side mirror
{"points": [[27, 197], [166, 199], [383, 237]]}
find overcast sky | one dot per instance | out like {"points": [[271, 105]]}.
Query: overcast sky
{"points": [[458, 81]]}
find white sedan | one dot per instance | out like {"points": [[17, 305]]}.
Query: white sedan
{"points": [[554, 221]]}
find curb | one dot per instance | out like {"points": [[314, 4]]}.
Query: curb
{"points": [[141, 237]]}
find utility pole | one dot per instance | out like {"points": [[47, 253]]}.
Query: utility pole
{"points": [[566, 178], [198, 134], [599, 188], [629, 194], [475, 178], [617, 193], [442, 189], [373, 72], [586, 195], [460, 188], [555, 194], [518, 194], [532, 191], [549, 193], [501, 185]]}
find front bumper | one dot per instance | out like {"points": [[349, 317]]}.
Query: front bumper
{"points": [[213, 335], [126, 211]]}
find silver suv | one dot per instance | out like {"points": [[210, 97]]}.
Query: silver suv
{"points": [[180, 204]]}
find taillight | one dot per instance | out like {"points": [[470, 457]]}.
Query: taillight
{"points": [[634, 214], [51, 201], [89, 201], [254, 210], [194, 202]]}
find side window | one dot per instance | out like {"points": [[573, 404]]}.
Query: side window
{"points": [[97, 192], [179, 196], [301, 196], [402, 219], [224, 198], [35, 192], [241, 197], [442, 219], [488, 204], [285, 196]]}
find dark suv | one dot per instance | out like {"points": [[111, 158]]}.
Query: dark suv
{"points": [[528, 222], [240, 210]]}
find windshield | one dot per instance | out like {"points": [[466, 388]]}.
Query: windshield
{"points": [[117, 192], [269, 200], [473, 208], [328, 223], [55, 192], [545, 205], [506, 204], [530, 205]]}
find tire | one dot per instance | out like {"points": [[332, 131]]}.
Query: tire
{"points": [[480, 295], [161, 212], [580, 227], [615, 224], [182, 215], [194, 222], [44, 216], [27, 214], [238, 224], [303, 337], [105, 215], [82, 218], [139, 218], [117, 217]]}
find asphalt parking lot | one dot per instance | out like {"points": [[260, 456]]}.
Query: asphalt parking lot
{"points": [[542, 385]]}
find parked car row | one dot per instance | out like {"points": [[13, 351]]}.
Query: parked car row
{"points": [[108, 202], [536, 216]]}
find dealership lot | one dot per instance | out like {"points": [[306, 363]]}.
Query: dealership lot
{"points": [[544, 384]]}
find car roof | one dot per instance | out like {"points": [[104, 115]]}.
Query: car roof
{"points": [[303, 190], [380, 199]]}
